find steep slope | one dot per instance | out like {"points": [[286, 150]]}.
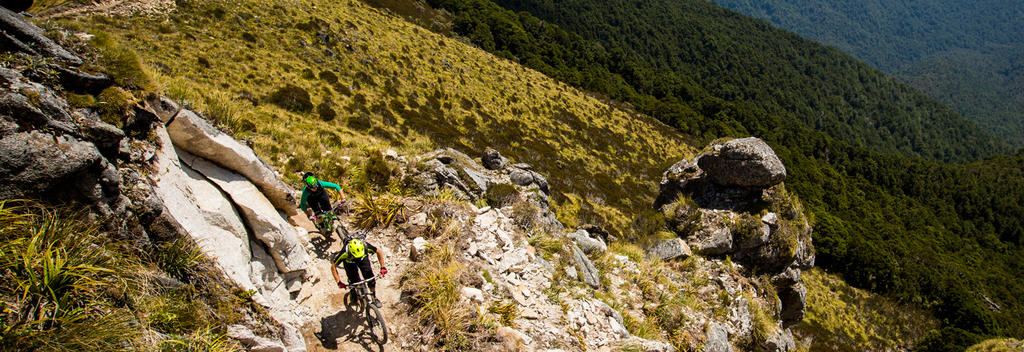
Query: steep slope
{"points": [[964, 53], [681, 48], [353, 77], [876, 211]]}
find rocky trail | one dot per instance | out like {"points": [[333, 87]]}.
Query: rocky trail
{"points": [[334, 322]]}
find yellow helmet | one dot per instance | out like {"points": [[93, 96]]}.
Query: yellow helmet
{"points": [[356, 248]]}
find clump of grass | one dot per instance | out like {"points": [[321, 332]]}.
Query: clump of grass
{"points": [[181, 258], [123, 64], [525, 214], [57, 272], [433, 286], [683, 215], [205, 340], [114, 104], [765, 324], [548, 245], [373, 211], [292, 98], [507, 310]]}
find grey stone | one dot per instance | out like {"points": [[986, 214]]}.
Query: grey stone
{"points": [[521, 177], [15, 26], [252, 342], [45, 111], [493, 160], [716, 338], [81, 82], [712, 241], [479, 179], [522, 166], [588, 244], [195, 135], [744, 162], [671, 249], [587, 272], [37, 164], [541, 182], [164, 108], [782, 341]]}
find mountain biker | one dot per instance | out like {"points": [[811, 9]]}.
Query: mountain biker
{"points": [[315, 195], [354, 258]]}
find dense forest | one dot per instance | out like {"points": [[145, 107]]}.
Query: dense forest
{"points": [[967, 54], [941, 235]]}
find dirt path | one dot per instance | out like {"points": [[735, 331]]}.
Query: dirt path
{"points": [[336, 324]]}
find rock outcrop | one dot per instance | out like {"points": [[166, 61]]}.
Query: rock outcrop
{"points": [[192, 133], [52, 152], [731, 201]]}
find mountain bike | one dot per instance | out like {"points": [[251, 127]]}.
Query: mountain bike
{"points": [[374, 320], [327, 223]]}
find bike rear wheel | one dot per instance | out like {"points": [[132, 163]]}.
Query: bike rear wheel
{"points": [[375, 324]]}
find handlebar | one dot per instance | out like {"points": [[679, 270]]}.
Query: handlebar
{"points": [[365, 281]]}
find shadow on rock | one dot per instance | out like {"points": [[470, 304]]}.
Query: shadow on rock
{"points": [[321, 245]]}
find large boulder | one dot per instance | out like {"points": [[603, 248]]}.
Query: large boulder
{"points": [[744, 162], [36, 164], [193, 134], [266, 223]]}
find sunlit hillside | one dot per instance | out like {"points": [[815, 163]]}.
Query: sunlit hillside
{"points": [[311, 84]]}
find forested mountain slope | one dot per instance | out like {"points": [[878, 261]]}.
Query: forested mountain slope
{"points": [[967, 54], [946, 236], [682, 49]]}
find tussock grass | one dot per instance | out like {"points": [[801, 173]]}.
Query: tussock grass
{"points": [[842, 318], [58, 276], [373, 211], [68, 286], [392, 83], [434, 288]]}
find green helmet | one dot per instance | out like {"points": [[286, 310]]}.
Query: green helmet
{"points": [[312, 181], [356, 248]]}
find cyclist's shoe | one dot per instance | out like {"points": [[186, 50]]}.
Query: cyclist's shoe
{"points": [[376, 302]]}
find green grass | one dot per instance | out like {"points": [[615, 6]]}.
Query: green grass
{"points": [[68, 285], [390, 84], [843, 318]]}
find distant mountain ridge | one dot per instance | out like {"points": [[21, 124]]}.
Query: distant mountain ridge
{"points": [[967, 54]]}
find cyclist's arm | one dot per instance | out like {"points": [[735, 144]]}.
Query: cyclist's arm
{"points": [[334, 272], [333, 186], [380, 258], [380, 254], [302, 202]]}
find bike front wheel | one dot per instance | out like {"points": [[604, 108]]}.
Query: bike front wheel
{"points": [[375, 324]]}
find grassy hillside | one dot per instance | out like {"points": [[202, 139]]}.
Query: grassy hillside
{"points": [[966, 54], [912, 228], [316, 86]]}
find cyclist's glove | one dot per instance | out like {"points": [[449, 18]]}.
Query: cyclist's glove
{"points": [[342, 285], [383, 271]]}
